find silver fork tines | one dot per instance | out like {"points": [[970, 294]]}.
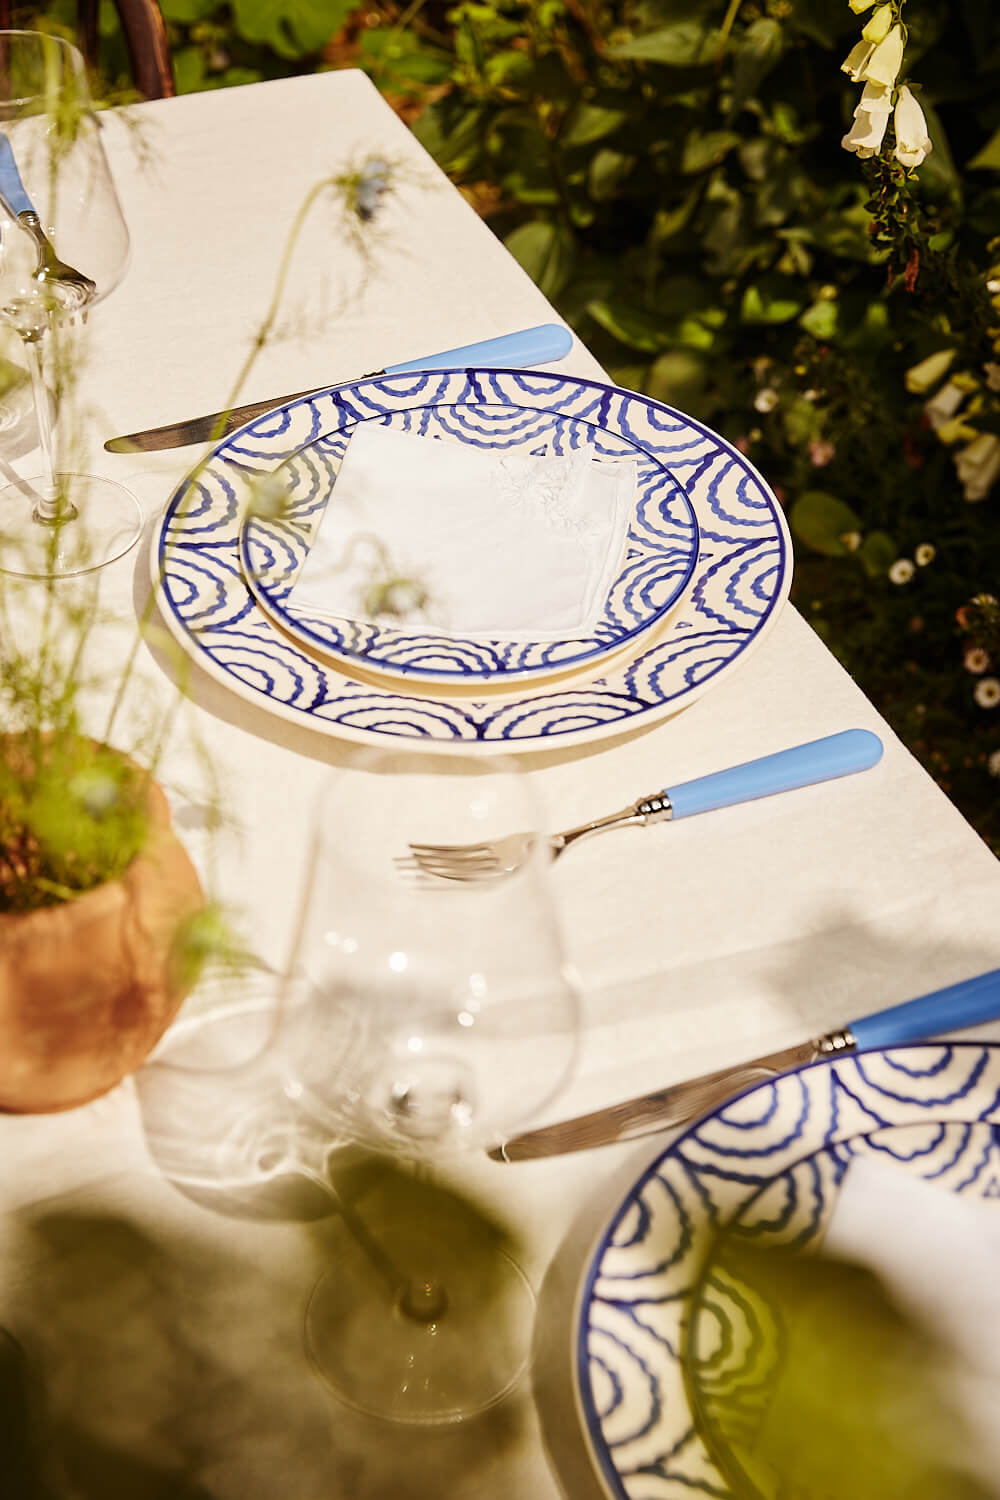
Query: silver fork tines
{"points": [[503, 856]]}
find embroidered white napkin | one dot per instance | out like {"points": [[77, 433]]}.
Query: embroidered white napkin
{"points": [[939, 1255], [489, 543]]}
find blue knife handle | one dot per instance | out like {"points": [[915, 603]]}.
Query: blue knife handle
{"points": [[512, 351], [820, 760], [12, 193], [968, 1003]]}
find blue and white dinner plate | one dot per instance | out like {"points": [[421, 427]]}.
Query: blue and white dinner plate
{"points": [[770, 1161], [739, 580], [660, 554]]}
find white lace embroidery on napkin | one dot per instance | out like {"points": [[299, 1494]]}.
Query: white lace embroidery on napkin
{"points": [[500, 545]]}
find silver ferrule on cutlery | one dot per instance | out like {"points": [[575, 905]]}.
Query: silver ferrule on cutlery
{"points": [[970, 1002], [653, 809]]}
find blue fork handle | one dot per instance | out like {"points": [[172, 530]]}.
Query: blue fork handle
{"points": [[530, 346], [968, 1003], [820, 760], [12, 193]]}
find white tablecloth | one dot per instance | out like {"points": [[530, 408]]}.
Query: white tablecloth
{"points": [[169, 1336]]}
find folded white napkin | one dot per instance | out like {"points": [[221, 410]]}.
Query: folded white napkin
{"points": [[491, 543], [938, 1254]]}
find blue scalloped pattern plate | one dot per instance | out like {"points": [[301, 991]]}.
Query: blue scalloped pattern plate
{"points": [[771, 1161], [740, 577], [660, 554]]}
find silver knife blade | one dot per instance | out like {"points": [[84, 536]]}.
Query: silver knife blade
{"points": [[218, 424], [663, 1108]]}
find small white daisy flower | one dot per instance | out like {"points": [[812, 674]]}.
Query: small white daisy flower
{"points": [[766, 399], [993, 764], [924, 554], [901, 571], [987, 692], [976, 660]]}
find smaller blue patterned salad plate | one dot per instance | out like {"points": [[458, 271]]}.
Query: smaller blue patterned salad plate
{"points": [[770, 1164], [498, 416], [707, 570]]}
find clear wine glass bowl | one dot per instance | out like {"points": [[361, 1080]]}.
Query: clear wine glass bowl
{"points": [[64, 246], [444, 1016]]}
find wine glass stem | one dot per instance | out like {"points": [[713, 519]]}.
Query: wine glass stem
{"points": [[50, 507], [417, 1297]]}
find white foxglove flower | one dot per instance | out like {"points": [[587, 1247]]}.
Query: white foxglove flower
{"points": [[885, 61], [857, 60], [870, 120], [876, 99], [978, 465], [928, 372], [912, 141], [944, 404], [878, 26]]}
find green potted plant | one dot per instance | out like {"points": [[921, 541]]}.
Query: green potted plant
{"points": [[97, 897]]}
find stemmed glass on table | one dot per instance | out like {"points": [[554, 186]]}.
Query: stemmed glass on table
{"points": [[424, 1019], [63, 246]]}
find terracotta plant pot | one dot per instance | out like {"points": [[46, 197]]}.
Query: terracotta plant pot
{"points": [[87, 987]]}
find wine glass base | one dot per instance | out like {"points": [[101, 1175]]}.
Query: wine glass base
{"points": [[107, 523], [419, 1367]]}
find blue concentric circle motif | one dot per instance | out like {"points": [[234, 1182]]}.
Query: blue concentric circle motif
{"points": [[771, 1161], [660, 555], [730, 567]]}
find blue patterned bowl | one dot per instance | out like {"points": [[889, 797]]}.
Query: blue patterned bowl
{"points": [[771, 1160]]}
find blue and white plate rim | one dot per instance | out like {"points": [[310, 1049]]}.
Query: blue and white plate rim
{"points": [[571, 718], [590, 1421]]}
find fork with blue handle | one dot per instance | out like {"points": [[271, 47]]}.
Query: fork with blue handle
{"points": [[70, 288], [804, 765]]}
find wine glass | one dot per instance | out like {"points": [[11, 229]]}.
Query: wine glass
{"points": [[417, 1020], [63, 246], [443, 1017]]}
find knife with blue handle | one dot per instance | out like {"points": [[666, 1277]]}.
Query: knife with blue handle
{"points": [[511, 351], [971, 1002]]}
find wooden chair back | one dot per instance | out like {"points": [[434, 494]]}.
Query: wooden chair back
{"points": [[145, 39]]}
